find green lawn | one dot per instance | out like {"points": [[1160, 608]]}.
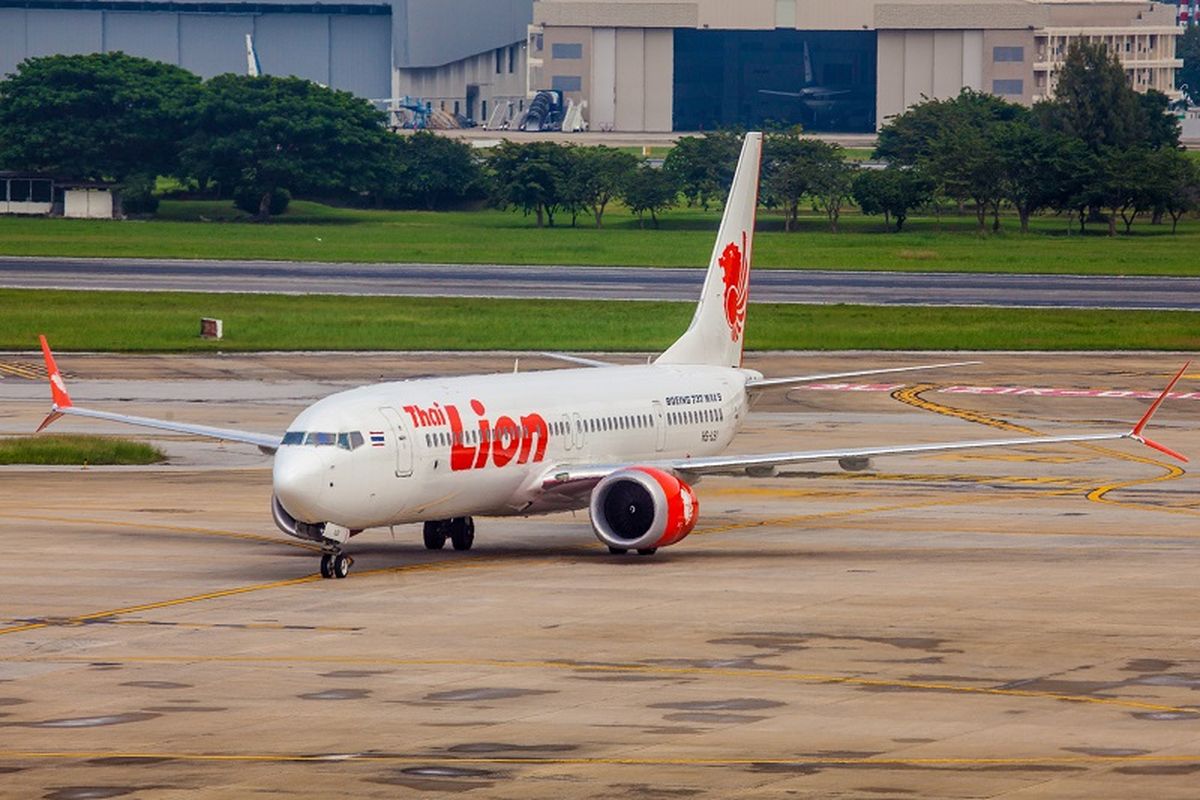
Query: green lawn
{"points": [[311, 231], [68, 450], [128, 321]]}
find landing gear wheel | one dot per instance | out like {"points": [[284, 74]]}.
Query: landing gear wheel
{"points": [[435, 534], [462, 533], [327, 565], [340, 565], [647, 551], [618, 551]]}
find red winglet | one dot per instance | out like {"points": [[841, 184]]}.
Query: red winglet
{"points": [[1136, 433], [1137, 429], [58, 389]]}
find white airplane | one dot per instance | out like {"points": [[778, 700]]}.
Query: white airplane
{"points": [[625, 441]]}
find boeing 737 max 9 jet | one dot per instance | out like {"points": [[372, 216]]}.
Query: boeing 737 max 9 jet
{"points": [[624, 441]]}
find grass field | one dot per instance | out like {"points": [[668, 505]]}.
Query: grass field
{"points": [[311, 231], [76, 450], [128, 321]]}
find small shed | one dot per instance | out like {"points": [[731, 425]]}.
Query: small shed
{"points": [[38, 194], [89, 200], [26, 193]]}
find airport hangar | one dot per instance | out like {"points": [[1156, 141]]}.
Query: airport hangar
{"points": [[640, 65]]}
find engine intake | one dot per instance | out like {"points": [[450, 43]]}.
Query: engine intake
{"points": [[640, 508], [292, 526]]}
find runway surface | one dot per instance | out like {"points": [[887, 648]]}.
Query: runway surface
{"points": [[1014, 623], [601, 283]]}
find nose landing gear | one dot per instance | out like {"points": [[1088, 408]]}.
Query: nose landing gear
{"points": [[335, 565]]}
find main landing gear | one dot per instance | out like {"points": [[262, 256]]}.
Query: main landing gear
{"points": [[335, 565], [459, 530]]}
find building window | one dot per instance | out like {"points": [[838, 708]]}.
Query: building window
{"points": [[483, 110], [18, 191], [42, 192], [456, 108], [1008, 54], [566, 50], [499, 60], [3, 191], [1008, 86], [512, 59], [567, 83]]}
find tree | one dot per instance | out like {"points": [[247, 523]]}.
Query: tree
{"points": [[1187, 77], [1174, 185], [650, 190], [703, 166], [597, 176], [893, 192], [911, 138], [1160, 128], [787, 174], [530, 177], [833, 181], [267, 133], [1033, 166], [99, 116], [1093, 100], [1121, 184], [965, 163], [951, 141], [434, 171]]}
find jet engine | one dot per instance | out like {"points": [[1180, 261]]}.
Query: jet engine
{"points": [[642, 508], [292, 526]]}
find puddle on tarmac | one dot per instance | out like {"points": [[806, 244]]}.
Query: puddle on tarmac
{"points": [[89, 792], [1167, 716], [92, 722], [734, 704], [475, 695], [157, 685], [501, 747], [336, 694], [708, 717]]}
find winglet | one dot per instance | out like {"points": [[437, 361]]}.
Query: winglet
{"points": [[1136, 433], [58, 389]]}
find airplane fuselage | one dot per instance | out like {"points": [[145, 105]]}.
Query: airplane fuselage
{"points": [[431, 449]]}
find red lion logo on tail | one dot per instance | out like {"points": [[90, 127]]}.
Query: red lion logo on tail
{"points": [[735, 269]]}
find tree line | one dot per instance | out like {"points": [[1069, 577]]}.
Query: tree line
{"points": [[1098, 152]]}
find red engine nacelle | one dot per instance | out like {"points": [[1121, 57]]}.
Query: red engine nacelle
{"points": [[643, 508]]}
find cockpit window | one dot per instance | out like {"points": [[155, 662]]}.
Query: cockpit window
{"points": [[351, 440], [321, 439]]}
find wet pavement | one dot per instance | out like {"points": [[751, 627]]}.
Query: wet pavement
{"points": [[1014, 623]]}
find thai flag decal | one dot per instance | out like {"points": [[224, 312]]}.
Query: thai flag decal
{"points": [[376, 438]]}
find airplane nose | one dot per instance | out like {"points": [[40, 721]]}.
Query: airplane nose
{"points": [[297, 477]]}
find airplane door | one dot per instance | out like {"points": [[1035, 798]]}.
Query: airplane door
{"points": [[404, 445], [660, 426]]}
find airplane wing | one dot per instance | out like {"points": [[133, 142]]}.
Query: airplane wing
{"points": [[571, 478], [758, 384], [62, 406], [573, 359]]}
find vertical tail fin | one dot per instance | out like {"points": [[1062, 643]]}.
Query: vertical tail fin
{"points": [[719, 325]]}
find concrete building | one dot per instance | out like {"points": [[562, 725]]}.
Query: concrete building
{"points": [[468, 52], [661, 65]]}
